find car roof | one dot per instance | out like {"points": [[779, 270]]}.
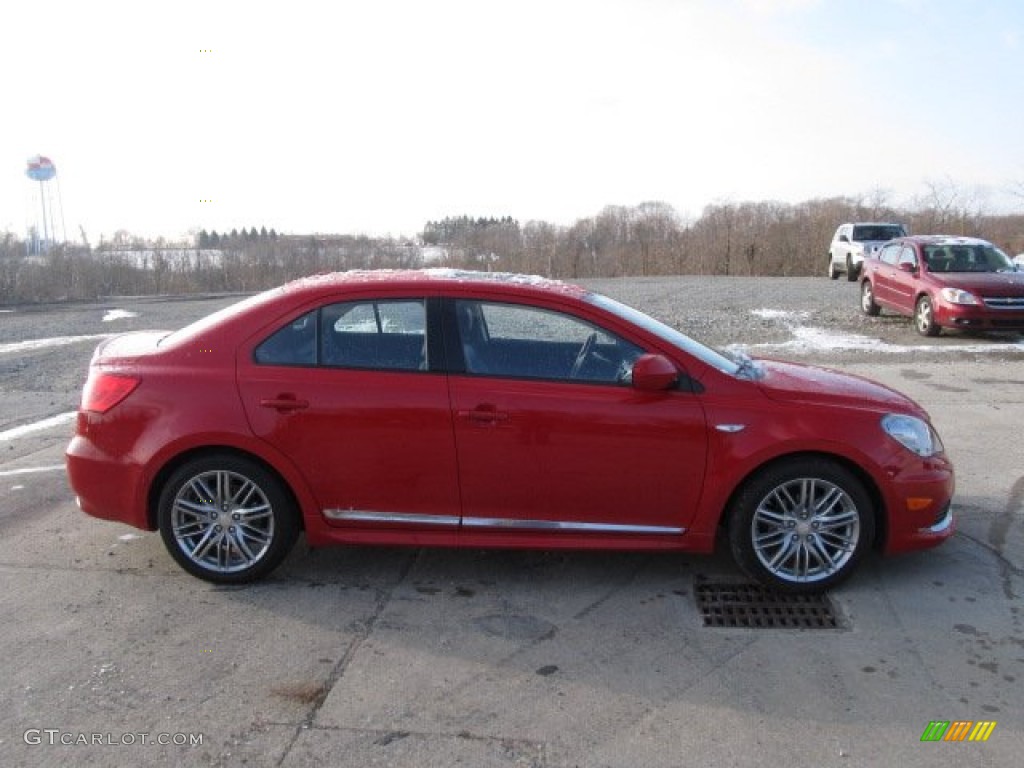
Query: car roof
{"points": [[437, 278], [944, 240]]}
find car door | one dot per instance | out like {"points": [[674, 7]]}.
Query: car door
{"points": [[552, 438], [903, 286], [347, 392], [884, 274]]}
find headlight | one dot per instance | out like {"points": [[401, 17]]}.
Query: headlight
{"points": [[914, 434], [956, 296]]}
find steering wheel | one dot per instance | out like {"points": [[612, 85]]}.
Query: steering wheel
{"points": [[582, 355]]}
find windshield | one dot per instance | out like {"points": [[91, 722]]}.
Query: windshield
{"points": [[975, 257], [877, 232], [666, 333]]}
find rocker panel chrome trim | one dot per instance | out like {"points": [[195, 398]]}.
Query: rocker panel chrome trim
{"points": [[566, 526], [391, 518]]}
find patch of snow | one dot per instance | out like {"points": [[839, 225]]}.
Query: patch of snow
{"points": [[32, 470], [118, 314], [37, 426], [53, 341], [128, 537], [779, 314], [808, 339]]}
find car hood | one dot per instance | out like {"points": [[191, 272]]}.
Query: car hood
{"points": [[984, 283], [796, 383]]}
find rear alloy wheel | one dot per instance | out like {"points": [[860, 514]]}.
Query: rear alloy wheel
{"points": [[867, 300], [226, 519], [801, 525], [924, 318]]}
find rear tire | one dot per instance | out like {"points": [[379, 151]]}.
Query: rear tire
{"points": [[833, 273], [226, 519], [852, 272], [801, 525]]}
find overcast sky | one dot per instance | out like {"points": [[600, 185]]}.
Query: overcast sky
{"points": [[376, 116]]}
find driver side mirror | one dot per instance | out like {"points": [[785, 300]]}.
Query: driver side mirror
{"points": [[654, 373], [907, 266]]}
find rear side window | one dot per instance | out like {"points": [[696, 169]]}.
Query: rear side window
{"points": [[294, 344], [390, 335], [386, 335]]}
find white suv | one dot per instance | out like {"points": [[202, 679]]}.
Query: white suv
{"points": [[852, 242]]}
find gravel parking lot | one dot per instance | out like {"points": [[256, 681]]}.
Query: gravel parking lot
{"points": [[485, 658]]}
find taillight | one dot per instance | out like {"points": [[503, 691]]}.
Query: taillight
{"points": [[105, 390]]}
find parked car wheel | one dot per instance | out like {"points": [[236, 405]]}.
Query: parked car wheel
{"points": [[852, 272], [924, 318], [226, 519], [833, 273], [867, 300], [801, 525]]}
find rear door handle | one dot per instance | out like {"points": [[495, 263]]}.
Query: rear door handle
{"points": [[284, 403], [484, 415]]}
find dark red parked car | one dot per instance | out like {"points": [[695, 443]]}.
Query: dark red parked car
{"points": [[462, 409], [945, 282]]}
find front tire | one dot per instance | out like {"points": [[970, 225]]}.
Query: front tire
{"points": [[801, 525], [867, 300], [226, 519], [924, 318]]}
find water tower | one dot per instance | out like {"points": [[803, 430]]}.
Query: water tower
{"points": [[43, 235]]}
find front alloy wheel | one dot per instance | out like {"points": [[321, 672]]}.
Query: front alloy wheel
{"points": [[802, 525], [226, 519], [924, 318], [867, 300]]}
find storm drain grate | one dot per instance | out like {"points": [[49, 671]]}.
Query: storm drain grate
{"points": [[756, 607]]}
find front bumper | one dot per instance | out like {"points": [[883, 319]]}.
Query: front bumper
{"points": [[974, 317], [920, 506]]}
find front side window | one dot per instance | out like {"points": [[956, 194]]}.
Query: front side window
{"points": [[890, 254], [908, 256], [531, 343]]}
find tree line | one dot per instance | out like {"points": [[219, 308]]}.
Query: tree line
{"points": [[728, 238]]}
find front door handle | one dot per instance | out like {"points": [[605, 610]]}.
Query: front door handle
{"points": [[284, 403]]}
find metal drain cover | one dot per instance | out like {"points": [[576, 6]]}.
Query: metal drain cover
{"points": [[757, 607]]}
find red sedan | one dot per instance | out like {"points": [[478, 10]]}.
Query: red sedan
{"points": [[945, 282], [462, 409]]}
